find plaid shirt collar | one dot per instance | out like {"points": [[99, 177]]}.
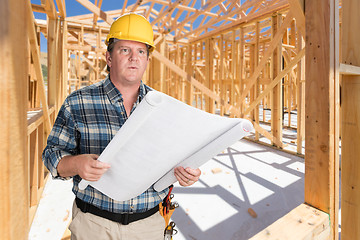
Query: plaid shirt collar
{"points": [[115, 95]]}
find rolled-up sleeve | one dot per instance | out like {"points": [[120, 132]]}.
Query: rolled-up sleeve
{"points": [[62, 141]]}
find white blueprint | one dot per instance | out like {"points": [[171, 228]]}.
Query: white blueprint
{"points": [[161, 134]]}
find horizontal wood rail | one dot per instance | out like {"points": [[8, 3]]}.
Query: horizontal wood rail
{"points": [[302, 223], [36, 142]]}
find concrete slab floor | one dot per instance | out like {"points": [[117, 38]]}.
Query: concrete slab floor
{"points": [[245, 175]]}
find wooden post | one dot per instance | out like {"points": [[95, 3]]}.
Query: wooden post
{"points": [[33, 166], [58, 58], [252, 67], [65, 56], [276, 99], [52, 57], [189, 70], [300, 98], [209, 57], [14, 54], [221, 73], [322, 120], [350, 122], [256, 85], [233, 70], [241, 66]]}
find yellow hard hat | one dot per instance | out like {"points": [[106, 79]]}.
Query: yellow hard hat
{"points": [[132, 26]]}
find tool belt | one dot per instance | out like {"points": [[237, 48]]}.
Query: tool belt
{"points": [[166, 208], [123, 218]]}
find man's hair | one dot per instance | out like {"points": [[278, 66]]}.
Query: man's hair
{"points": [[111, 45]]}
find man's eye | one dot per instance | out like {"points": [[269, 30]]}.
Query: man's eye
{"points": [[142, 52], [124, 50]]}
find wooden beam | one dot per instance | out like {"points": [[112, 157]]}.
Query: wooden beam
{"points": [[38, 8], [135, 5], [84, 48], [262, 13], [322, 118], [302, 223], [95, 18], [49, 7], [276, 93], [259, 15], [169, 11], [185, 75], [297, 7], [209, 66], [274, 43], [268, 135], [62, 8], [300, 99], [94, 9], [276, 81], [213, 21], [346, 69], [35, 52], [256, 88], [14, 58], [64, 62], [350, 121], [124, 7], [52, 40]]}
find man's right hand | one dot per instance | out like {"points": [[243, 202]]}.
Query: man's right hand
{"points": [[85, 165]]}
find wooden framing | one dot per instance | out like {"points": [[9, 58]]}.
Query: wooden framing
{"points": [[229, 58], [14, 56], [350, 112], [322, 111], [304, 222]]}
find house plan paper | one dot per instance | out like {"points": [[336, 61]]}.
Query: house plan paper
{"points": [[161, 134]]}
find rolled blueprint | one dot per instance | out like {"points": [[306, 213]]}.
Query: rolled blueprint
{"points": [[198, 158], [161, 134], [125, 133]]}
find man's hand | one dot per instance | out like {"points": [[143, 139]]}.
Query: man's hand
{"points": [[188, 176], [85, 165]]}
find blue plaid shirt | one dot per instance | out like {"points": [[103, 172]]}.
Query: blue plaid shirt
{"points": [[86, 123]]}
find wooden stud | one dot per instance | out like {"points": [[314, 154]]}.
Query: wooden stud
{"points": [[350, 121], [276, 94], [35, 52], [267, 54], [14, 55], [322, 120], [33, 167], [256, 88], [300, 98], [209, 56]]}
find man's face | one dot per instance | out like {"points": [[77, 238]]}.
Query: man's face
{"points": [[127, 62]]}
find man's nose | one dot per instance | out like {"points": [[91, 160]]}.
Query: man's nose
{"points": [[133, 56]]}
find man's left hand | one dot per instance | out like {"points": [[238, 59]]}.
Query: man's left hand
{"points": [[188, 176]]}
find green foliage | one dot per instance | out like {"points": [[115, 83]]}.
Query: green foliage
{"points": [[44, 69]]}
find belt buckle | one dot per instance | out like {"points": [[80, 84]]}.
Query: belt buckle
{"points": [[125, 218]]}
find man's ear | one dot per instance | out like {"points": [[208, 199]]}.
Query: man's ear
{"points": [[108, 58]]}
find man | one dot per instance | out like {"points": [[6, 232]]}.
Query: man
{"points": [[86, 123]]}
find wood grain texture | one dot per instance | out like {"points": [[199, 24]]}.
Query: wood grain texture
{"points": [[302, 223], [350, 122], [14, 57], [321, 113]]}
